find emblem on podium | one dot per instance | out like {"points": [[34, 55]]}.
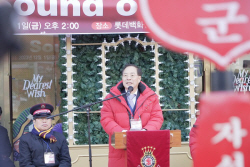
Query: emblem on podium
{"points": [[148, 159]]}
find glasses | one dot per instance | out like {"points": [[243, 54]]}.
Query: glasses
{"points": [[129, 76]]}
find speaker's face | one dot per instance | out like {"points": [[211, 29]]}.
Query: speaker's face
{"points": [[131, 78]]}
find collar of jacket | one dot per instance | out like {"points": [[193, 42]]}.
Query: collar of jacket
{"points": [[143, 89], [120, 88], [38, 137]]}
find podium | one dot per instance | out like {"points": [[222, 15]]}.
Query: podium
{"points": [[119, 139], [147, 148]]}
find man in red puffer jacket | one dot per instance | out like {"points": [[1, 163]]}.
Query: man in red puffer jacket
{"points": [[117, 113]]}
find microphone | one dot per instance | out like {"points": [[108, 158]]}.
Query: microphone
{"points": [[130, 89]]}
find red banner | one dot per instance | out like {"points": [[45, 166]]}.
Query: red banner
{"points": [[148, 148], [77, 16], [217, 30], [223, 131]]}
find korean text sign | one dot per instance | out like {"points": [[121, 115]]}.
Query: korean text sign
{"points": [[217, 30], [223, 130], [76, 16]]}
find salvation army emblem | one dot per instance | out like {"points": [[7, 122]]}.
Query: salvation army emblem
{"points": [[148, 159]]}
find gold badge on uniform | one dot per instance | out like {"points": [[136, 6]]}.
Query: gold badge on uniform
{"points": [[42, 106]]}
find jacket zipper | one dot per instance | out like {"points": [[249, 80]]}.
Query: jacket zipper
{"points": [[141, 104]]}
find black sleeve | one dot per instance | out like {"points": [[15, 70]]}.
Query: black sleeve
{"points": [[65, 160], [25, 154], [5, 147]]}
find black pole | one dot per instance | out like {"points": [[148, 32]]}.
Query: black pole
{"points": [[90, 153], [11, 104], [86, 106]]}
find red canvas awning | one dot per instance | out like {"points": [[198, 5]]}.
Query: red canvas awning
{"points": [[77, 16]]}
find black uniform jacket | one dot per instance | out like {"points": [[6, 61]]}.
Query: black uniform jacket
{"points": [[32, 149], [5, 148]]}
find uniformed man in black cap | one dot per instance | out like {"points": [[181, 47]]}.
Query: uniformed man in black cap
{"points": [[43, 146]]}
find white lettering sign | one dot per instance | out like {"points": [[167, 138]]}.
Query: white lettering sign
{"points": [[99, 8], [36, 87], [217, 28], [30, 7], [37, 46], [120, 7], [231, 131], [52, 10], [63, 6], [242, 81], [227, 161]]}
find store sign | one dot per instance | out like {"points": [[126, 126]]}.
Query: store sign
{"points": [[242, 81], [38, 49], [77, 16], [217, 30], [223, 135], [36, 87], [34, 72]]}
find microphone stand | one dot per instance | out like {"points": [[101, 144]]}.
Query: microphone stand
{"points": [[87, 106], [90, 152]]}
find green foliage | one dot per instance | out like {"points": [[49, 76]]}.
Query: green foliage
{"points": [[174, 120], [174, 90], [88, 83], [98, 136], [173, 82], [88, 86], [87, 77]]}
